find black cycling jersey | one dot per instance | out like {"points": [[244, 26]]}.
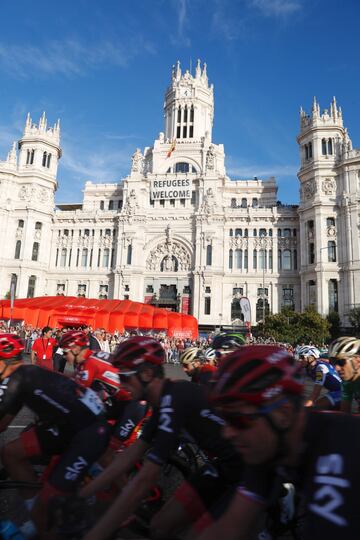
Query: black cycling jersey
{"points": [[328, 475], [184, 410], [53, 397]]}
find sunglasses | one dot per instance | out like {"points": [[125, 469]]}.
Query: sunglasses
{"points": [[246, 420], [338, 361]]}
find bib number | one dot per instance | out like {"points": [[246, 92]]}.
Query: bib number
{"points": [[92, 401]]}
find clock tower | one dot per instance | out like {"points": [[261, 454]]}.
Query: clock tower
{"points": [[189, 105]]}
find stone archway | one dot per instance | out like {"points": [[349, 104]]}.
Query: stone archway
{"points": [[169, 256]]}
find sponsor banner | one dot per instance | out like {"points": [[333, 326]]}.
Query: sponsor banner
{"points": [[182, 334], [185, 304], [245, 308], [177, 188]]}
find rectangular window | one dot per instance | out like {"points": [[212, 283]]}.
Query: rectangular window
{"points": [[35, 251], [193, 197], [120, 204], [311, 253], [112, 257], [38, 226], [331, 251], [111, 205], [208, 290], [77, 257], [129, 254], [208, 255], [70, 257], [99, 257], [207, 306]]}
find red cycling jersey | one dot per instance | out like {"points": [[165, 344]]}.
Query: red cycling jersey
{"points": [[96, 368]]}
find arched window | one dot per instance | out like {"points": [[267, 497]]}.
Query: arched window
{"points": [[236, 311], [230, 259], [63, 257], [169, 264], [255, 259], [84, 257], [107, 232], [262, 232], [286, 259], [238, 258], [233, 203], [246, 233], [330, 222], [330, 147], [48, 161], [287, 233], [255, 203], [331, 251], [44, 159], [279, 233], [312, 292], [106, 257], [209, 255], [244, 203], [255, 232], [323, 147], [129, 254], [192, 113], [279, 260], [270, 259], [38, 226], [17, 249], [21, 223], [182, 167], [310, 150], [179, 115], [238, 232], [35, 251], [185, 113], [306, 151], [295, 259]]}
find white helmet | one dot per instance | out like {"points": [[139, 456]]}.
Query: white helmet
{"points": [[210, 353], [308, 350], [345, 346]]}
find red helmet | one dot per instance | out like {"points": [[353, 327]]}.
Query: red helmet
{"points": [[74, 338], [11, 347], [255, 374], [135, 351]]}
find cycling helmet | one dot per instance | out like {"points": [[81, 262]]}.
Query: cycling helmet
{"points": [[228, 341], [189, 355], [74, 338], [344, 346], [255, 375], [137, 350], [210, 353], [11, 347], [308, 350]]}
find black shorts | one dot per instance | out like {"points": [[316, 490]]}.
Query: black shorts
{"points": [[77, 452]]}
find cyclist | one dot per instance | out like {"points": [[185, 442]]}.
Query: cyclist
{"points": [[344, 354], [225, 343], [259, 394], [93, 369], [177, 406], [69, 416], [324, 376], [196, 366]]}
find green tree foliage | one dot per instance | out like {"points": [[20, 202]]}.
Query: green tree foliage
{"points": [[354, 318], [292, 327]]}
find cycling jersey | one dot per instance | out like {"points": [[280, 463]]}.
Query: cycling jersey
{"points": [[203, 374], [328, 474], [69, 416], [185, 412], [324, 374], [96, 372], [351, 390]]}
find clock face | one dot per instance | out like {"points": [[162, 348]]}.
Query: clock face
{"points": [[185, 92]]}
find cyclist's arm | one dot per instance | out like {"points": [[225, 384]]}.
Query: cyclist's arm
{"points": [[240, 521], [314, 395], [5, 421], [126, 503], [121, 464], [33, 356]]}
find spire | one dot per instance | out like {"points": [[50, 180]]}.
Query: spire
{"points": [[57, 125], [11, 157], [334, 108], [42, 122], [178, 71], [315, 108], [198, 70], [204, 73], [173, 72], [28, 121]]}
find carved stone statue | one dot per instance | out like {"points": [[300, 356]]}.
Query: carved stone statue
{"points": [[210, 158], [137, 161]]}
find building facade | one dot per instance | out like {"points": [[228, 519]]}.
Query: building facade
{"points": [[177, 232]]}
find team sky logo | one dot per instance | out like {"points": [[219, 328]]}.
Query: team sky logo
{"points": [[330, 485], [73, 471]]}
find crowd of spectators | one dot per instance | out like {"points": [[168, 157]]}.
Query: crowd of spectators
{"points": [[42, 343]]}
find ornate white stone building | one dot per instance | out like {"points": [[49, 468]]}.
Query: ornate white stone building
{"points": [[177, 232]]}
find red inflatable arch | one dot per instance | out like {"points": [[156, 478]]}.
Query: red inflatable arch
{"points": [[58, 311]]}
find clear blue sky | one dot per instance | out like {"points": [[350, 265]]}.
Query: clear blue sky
{"points": [[103, 67]]}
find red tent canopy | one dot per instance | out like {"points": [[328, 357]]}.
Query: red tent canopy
{"points": [[109, 314]]}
